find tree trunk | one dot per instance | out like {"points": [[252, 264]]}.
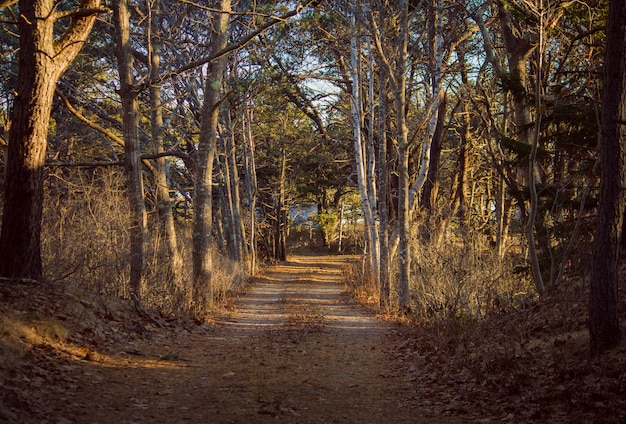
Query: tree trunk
{"points": [[203, 176], [463, 160], [164, 204], [132, 163], [280, 231], [604, 328], [251, 183], [234, 197], [370, 172], [363, 155], [502, 217], [42, 61], [428, 199], [383, 192], [225, 199], [404, 251], [532, 165]]}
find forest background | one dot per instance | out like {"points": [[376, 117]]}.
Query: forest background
{"points": [[471, 151]]}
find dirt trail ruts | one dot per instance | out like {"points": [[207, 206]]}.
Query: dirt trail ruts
{"points": [[295, 350]]}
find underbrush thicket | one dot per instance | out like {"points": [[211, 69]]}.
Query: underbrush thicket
{"points": [[85, 242], [452, 283]]}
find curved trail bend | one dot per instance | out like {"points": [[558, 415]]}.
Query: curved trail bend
{"points": [[295, 350]]}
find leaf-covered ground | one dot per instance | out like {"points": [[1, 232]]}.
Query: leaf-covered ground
{"points": [[296, 349], [532, 366]]}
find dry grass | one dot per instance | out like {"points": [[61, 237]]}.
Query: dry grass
{"points": [[480, 343], [451, 284], [465, 282], [85, 242]]}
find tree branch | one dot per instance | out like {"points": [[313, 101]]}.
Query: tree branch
{"points": [[229, 48], [7, 3], [145, 157], [76, 33], [80, 13], [113, 137], [107, 133]]}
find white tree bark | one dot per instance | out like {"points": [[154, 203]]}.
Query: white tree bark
{"points": [[365, 164]]}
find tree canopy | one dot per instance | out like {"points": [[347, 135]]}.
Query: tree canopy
{"points": [[466, 126]]}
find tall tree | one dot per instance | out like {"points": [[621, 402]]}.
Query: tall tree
{"points": [[251, 181], [203, 178], [604, 327], [364, 152], [44, 57], [130, 128], [164, 205], [399, 92]]}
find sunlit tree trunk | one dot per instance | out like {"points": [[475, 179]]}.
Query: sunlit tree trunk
{"points": [[404, 251], [164, 204], [42, 61], [130, 129], [203, 177], [436, 52], [251, 183], [370, 170], [364, 159]]}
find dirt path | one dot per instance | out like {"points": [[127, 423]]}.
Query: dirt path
{"points": [[295, 350]]}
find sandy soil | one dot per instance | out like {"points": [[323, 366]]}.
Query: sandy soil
{"points": [[295, 349]]}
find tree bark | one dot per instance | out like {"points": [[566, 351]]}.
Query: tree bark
{"points": [[164, 204], [364, 156], [404, 247], [383, 192], [280, 231], [132, 160], [532, 165], [42, 61], [251, 182], [604, 328], [203, 176]]}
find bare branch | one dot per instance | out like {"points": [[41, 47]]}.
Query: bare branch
{"points": [[7, 3], [215, 10], [85, 164], [229, 48], [81, 13], [113, 137]]}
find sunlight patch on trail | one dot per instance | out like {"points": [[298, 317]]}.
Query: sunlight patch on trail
{"points": [[305, 287]]}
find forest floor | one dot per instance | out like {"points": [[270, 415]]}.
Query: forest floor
{"points": [[295, 348]]}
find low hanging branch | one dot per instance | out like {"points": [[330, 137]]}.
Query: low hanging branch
{"points": [[7, 3], [113, 137], [229, 48]]}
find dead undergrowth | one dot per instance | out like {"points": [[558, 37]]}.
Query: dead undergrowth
{"points": [[294, 349], [520, 362], [528, 364]]}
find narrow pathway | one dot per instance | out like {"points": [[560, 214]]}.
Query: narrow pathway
{"points": [[296, 350]]}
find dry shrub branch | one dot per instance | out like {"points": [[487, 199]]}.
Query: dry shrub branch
{"points": [[85, 242], [452, 283], [462, 282]]}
